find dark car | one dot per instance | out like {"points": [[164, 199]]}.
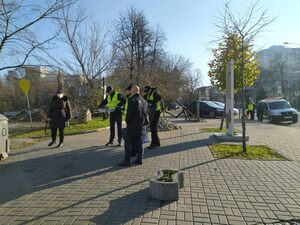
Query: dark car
{"points": [[276, 110], [207, 109], [173, 106]]}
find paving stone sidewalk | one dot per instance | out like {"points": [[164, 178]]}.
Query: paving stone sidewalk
{"points": [[81, 184]]}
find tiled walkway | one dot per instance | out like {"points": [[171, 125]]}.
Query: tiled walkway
{"points": [[81, 184]]}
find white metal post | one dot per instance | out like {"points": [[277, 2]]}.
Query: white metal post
{"points": [[229, 99]]}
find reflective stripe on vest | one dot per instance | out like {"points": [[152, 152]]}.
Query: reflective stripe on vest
{"points": [[112, 102], [151, 98]]}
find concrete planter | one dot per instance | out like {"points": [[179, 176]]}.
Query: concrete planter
{"points": [[166, 191]]}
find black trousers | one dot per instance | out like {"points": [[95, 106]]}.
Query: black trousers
{"points": [[153, 128], [133, 147], [115, 118], [61, 134], [252, 114]]}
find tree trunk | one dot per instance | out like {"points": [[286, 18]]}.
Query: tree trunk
{"points": [[282, 82], [243, 99]]}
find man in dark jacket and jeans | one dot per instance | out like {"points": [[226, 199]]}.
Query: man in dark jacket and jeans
{"points": [[59, 113], [135, 120]]}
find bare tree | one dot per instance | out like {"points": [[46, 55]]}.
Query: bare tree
{"points": [[194, 80], [247, 25], [279, 65], [19, 21], [170, 76], [90, 49], [138, 45]]}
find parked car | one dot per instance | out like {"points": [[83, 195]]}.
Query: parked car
{"points": [[207, 109], [235, 110], [276, 110], [173, 106]]}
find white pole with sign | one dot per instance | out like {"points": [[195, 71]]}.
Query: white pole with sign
{"points": [[25, 86]]}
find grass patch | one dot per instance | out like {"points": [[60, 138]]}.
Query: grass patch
{"points": [[254, 152], [19, 143], [76, 128], [216, 130]]}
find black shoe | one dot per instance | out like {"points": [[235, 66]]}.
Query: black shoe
{"points": [[151, 147], [61, 144], [158, 145], [51, 143], [123, 164], [109, 143], [137, 162]]}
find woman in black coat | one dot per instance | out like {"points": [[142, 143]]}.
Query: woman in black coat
{"points": [[59, 114]]}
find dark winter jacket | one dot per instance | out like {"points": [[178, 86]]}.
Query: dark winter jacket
{"points": [[59, 111], [135, 116]]}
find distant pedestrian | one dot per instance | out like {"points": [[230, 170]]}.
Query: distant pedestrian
{"points": [[114, 102], [59, 114], [250, 109], [259, 112], [154, 108], [136, 119]]}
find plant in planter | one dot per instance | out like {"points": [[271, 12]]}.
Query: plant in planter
{"points": [[166, 185]]}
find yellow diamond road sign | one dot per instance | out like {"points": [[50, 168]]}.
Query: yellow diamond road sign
{"points": [[25, 86]]}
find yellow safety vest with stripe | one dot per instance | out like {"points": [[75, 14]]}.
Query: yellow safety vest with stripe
{"points": [[112, 102], [250, 107], [151, 98], [126, 105]]}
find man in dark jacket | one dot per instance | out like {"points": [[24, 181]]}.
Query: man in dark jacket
{"points": [[135, 120], [114, 102], [153, 98], [59, 114]]}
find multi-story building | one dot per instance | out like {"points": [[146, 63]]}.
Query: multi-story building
{"points": [[279, 74]]}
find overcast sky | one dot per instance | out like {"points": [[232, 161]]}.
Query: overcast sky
{"points": [[189, 24]]}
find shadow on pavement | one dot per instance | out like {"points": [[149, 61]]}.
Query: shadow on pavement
{"points": [[32, 175], [134, 205], [24, 177], [127, 208], [281, 222], [185, 135]]}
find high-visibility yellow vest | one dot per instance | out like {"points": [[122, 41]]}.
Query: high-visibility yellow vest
{"points": [[126, 105], [112, 102], [250, 106], [151, 98]]}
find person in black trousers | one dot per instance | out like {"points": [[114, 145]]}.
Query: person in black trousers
{"points": [[59, 114], [154, 107], [135, 120], [114, 102]]}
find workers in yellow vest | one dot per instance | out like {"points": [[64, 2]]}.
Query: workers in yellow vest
{"points": [[154, 101], [250, 109], [114, 101], [128, 94]]}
